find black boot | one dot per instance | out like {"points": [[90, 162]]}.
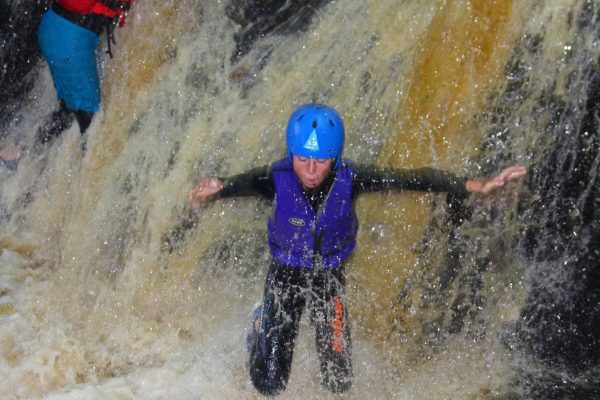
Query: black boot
{"points": [[84, 119], [56, 124]]}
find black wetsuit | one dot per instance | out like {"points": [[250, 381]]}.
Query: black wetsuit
{"points": [[288, 289]]}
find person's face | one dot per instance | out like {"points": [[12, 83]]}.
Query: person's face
{"points": [[311, 171]]}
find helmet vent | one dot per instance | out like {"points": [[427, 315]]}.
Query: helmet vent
{"points": [[331, 123], [314, 123]]}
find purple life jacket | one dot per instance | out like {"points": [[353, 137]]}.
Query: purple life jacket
{"points": [[300, 236]]}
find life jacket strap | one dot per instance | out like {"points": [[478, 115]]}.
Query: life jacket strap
{"points": [[101, 9]]}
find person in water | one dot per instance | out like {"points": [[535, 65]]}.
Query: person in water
{"points": [[68, 35], [311, 233]]}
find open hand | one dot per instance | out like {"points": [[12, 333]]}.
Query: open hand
{"points": [[204, 189], [487, 185]]}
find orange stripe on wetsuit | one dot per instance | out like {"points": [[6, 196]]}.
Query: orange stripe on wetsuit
{"points": [[338, 325]]}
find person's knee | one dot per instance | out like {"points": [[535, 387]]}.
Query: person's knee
{"points": [[336, 370], [267, 386], [269, 366], [336, 382], [268, 378]]}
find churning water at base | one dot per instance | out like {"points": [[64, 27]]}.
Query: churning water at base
{"points": [[112, 288]]}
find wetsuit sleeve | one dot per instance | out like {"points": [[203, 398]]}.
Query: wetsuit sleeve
{"points": [[256, 182], [368, 178]]}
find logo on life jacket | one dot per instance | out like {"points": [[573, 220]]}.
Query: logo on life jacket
{"points": [[296, 221], [312, 143]]}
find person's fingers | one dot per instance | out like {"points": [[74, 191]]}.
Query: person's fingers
{"points": [[205, 188], [509, 174], [515, 172], [196, 190], [214, 185]]}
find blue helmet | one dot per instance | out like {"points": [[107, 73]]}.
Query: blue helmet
{"points": [[315, 131]]}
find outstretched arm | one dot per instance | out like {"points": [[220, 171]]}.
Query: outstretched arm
{"points": [[484, 186], [256, 182], [368, 178]]}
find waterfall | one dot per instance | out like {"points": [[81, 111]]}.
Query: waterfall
{"points": [[112, 286]]}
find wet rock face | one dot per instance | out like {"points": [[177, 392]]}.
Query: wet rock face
{"points": [[558, 240], [560, 323], [260, 18], [561, 240], [19, 51]]}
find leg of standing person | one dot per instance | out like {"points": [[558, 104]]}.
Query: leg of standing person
{"points": [[84, 119], [272, 348], [70, 51], [54, 125], [329, 317]]}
